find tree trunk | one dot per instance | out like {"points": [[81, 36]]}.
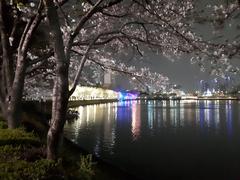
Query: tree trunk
{"points": [[59, 110], [9, 97], [12, 84], [60, 90], [7, 59], [15, 97]]}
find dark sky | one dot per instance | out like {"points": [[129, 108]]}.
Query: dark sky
{"points": [[179, 71]]}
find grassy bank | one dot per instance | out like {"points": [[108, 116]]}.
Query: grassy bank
{"points": [[23, 156]]}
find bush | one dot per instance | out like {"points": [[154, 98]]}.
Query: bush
{"points": [[17, 137], [20, 152], [10, 153], [85, 167], [41, 169], [3, 124]]}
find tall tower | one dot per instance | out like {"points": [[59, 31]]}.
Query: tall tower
{"points": [[107, 79]]}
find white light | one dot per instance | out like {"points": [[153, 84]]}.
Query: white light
{"points": [[207, 93], [87, 93]]}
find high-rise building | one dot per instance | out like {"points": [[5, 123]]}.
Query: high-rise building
{"points": [[108, 79], [204, 86]]}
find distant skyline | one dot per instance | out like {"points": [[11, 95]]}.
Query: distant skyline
{"points": [[183, 73], [180, 71]]}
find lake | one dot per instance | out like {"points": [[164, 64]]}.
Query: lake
{"points": [[163, 139]]}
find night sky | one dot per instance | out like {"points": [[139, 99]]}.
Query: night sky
{"points": [[179, 71]]}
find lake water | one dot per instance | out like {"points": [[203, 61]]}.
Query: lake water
{"points": [[163, 139]]}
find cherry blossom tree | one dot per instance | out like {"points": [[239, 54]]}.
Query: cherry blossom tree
{"points": [[16, 29], [89, 33], [24, 53], [221, 35], [106, 29]]}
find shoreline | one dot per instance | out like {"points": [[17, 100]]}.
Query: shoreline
{"points": [[104, 169], [44, 107], [72, 151]]}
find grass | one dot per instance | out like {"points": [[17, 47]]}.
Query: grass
{"points": [[3, 124], [18, 137], [23, 156], [39, 169]]}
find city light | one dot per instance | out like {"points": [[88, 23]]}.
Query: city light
{"points": [[126, 95], [207, 93], [90, 93]]}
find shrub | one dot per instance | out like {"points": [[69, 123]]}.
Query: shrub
{"points": [[85, 167], [41, 169], [3, 124], [17, 137], [28, 153], [10, 153]]}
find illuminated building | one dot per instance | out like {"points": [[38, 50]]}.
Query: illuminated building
{"points": [[89, 93], [207, 93]]}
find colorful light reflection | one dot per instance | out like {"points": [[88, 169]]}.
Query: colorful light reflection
{"points": [[127, 96]]}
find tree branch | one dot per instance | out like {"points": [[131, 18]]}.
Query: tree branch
{"points": [[39, 61], [80, 24], [30, 28], [7, 65], [116, 69], [67, 22], [42, 58], [83, 60]]}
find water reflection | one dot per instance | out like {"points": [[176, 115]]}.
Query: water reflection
{"points": [[204, 115], [124, 132], [217, 115], [150, 114], [136, 120], [89, 116], [229, 117]]}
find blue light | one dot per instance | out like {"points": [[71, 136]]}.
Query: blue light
{"points": [[125, 95], [120, 96]]}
